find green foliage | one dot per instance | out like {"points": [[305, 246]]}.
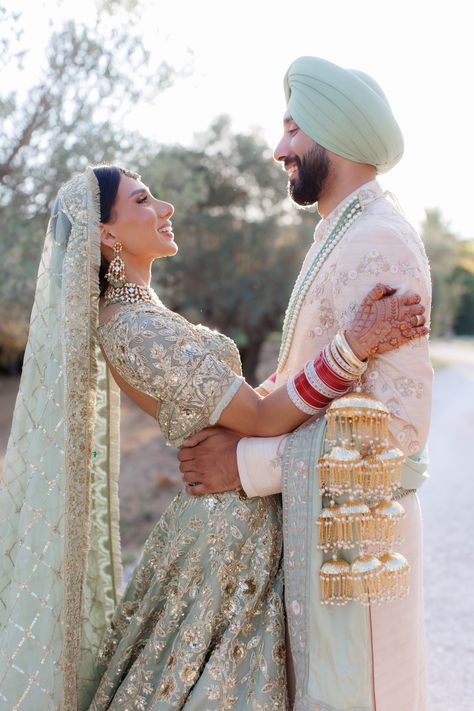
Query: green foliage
{"points": [[464, 275], [452, 282], [240, 245], [237, 259], [56, 128]]}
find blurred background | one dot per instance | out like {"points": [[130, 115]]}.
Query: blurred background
{"points": [[190, 95]]}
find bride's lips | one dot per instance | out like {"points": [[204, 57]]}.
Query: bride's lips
{"points": [[166, 230]]}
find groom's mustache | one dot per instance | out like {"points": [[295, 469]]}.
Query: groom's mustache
{"points": [[291, 159]]}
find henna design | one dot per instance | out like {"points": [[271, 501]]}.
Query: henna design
{"points": [[385, 321]]}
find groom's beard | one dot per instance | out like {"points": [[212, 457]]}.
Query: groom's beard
{"points": [[313, 171]]}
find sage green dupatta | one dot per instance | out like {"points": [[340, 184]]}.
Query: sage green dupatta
{"points": [[60, 563], [330, 644]]}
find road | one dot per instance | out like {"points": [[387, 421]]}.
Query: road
{"points": [[447, 501]]}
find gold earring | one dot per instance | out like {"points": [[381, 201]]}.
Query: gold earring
{"points": [[116, 271]]}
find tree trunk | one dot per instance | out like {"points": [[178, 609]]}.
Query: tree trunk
{"points": [[250, 356]]}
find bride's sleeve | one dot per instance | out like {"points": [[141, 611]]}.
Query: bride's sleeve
{"points": [[171, 363]]}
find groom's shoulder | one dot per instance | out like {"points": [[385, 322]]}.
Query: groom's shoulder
{"points": [[384, 227]]}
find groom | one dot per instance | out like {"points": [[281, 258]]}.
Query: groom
{"points": [[339, 134]]}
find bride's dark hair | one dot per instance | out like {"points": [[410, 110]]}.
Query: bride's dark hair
{"points": [[108, 177]]}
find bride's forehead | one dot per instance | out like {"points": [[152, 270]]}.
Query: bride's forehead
{"points": [[129, 186]]}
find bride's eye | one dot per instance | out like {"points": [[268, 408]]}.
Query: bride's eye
{"points": [[143, 198]]}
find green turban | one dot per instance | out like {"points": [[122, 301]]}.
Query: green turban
{"points": [[345, 111]]}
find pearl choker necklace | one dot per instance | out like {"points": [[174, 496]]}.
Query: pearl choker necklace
{"points": [[129, 294]]}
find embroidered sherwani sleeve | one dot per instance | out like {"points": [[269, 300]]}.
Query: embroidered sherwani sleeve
{"points": [[170, 361], [402, 378]]}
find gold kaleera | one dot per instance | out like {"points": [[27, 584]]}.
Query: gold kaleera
{"points": [[362, 465], [335, 581], [338, 470], [395, 573], [345, 525], [386, 517], [368, 580], [327, 528], [380, 473], [360, 420]]}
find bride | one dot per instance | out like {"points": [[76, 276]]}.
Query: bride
{"points": [[201, 623]]}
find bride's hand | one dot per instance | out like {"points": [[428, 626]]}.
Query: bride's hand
{"points": [[385, 321]]}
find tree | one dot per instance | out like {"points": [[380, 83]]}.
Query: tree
{"points": [[240, 245], [54, 129], [464, 275], [443, 249]]}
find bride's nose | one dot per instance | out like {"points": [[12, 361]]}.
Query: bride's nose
{"points": [[164, 209]]}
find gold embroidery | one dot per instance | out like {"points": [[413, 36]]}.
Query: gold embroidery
{"points": [[60, 558], [380, 247], [201, 623], [198, 625], [190, 369]]}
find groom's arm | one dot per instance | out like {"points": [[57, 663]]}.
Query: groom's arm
{"points": [[258, 462], [221, 460]]}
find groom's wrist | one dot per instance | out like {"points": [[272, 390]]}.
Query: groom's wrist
{"points": [[258, 463]]}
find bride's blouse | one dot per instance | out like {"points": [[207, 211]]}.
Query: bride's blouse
{"points": [[192, 371]]}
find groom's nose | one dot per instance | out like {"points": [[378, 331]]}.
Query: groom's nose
{"points": [[281, 151]]}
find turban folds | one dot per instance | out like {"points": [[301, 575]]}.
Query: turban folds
{"points": [[343, 110]]}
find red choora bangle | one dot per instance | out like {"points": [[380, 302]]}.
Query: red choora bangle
{"points": [[324, 379]]}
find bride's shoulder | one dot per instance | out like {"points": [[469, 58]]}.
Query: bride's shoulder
{"points": [[213, 335], [142, 313], [220, 343], [137, 322]]}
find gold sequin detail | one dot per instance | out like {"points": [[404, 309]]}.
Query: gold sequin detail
{"points": [[192, 371]]}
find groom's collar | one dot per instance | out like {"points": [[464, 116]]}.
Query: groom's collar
{"points": [[366, 193]]}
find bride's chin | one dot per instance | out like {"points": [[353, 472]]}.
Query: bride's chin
{"points": [[170, 251]]}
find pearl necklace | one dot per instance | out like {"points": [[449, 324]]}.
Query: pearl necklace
{"points": [[129, 294], [350, 212]]}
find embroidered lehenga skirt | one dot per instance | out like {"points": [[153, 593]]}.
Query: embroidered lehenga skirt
{"points": [[201, 623]]}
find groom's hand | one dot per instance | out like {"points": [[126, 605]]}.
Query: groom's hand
{"points": [[208, 461]]}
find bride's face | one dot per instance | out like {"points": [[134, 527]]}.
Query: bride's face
{"points": [[140, 222]]}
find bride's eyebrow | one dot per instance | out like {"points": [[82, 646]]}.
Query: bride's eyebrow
{"points": [[140, 190]]}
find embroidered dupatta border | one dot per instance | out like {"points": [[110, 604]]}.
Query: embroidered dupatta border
{"points": [[299, 487], [82, 378]]}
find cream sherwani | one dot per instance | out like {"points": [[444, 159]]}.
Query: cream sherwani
{"points": [[381, 246]]}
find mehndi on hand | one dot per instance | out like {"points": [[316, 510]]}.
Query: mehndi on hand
{"points": [[385, 321]]}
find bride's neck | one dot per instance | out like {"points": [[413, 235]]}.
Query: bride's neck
{"points": [[138, 272]]}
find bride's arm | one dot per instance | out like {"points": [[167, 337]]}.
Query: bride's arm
{"points": [[381, 324], [181, 383]]}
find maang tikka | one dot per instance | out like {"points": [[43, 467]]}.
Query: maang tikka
{"points": [[116, 271]]}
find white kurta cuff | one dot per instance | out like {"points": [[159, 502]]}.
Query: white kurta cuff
{"points": [[258, 461]]}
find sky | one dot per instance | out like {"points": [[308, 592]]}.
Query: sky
{"points": [[420, 52]]}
